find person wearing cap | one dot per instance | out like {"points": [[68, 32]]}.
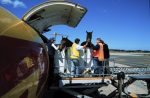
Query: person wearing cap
{"points": [[52, 48], [51, 52], [106, 58], [75, 55], [98, 57]]}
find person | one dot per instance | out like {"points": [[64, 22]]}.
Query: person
{"points": [[75, 56], [51, 52], [98, 57], [86, 55], [106, 57]]}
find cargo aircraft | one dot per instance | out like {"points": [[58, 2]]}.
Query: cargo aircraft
{"points": [[24, 59]]}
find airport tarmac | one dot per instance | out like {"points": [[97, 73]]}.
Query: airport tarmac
{"points": [[138, 87]]}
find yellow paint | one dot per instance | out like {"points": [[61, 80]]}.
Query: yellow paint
{"points": [[29, 83], [6, 19], [133, 95], [13, 27], [28, 62]]}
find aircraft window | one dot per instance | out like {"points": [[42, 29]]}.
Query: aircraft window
{"points": [[37, 15], [46, 30]]}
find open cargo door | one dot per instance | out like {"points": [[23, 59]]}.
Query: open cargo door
{"points": [[48, 14]]}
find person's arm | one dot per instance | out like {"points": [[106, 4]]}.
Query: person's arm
{"points": [[80, 47], [56, 48]]}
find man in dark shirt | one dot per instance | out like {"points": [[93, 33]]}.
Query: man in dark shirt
{"points": [[97, 64], [105, 62], [51, 52], [106, 57], [106, 51]]}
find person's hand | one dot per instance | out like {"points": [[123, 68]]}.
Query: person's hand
{"points": [[84, 46], [86, 43]]}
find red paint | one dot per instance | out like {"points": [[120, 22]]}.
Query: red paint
{"points": [[12, 52]]}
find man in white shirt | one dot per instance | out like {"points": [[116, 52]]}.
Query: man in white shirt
{"points": [[51, 52]]}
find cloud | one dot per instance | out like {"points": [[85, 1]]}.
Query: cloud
{"points": [[6, 1], [18, 3], [15, 3]]}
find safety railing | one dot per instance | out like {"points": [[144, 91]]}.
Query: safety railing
{"points": [[64, 69]]}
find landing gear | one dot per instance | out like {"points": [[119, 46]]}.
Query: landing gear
{"points": [[120, 77]]}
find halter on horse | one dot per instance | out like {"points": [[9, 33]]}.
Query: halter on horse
{"points": [[88, 39], [65, 42]]}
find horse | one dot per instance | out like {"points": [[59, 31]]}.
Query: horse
{"points": [[89, 35], [65, 42], [88, 39], [86, 60], [62, 56]]}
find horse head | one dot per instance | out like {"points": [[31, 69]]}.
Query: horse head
{"points": [[65, 42], [89, 35]]}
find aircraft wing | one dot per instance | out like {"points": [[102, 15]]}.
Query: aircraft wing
{"points": [[53, 13]]}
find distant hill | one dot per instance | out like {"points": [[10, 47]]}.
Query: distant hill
{"points": [[137, 51]]}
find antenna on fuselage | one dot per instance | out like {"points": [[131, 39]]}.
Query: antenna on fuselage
{"points": [[58, 34]]}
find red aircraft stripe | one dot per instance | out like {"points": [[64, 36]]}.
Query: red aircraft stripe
{"points": [[12, 53]]}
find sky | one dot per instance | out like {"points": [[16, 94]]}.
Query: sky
{"points": [[122, 24]]}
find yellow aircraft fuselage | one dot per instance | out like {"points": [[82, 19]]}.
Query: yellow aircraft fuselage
{"points": [[23, 59]]}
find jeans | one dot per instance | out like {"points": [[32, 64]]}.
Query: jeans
{"points": [[97, 67], [74, 67], [106, 64]]}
